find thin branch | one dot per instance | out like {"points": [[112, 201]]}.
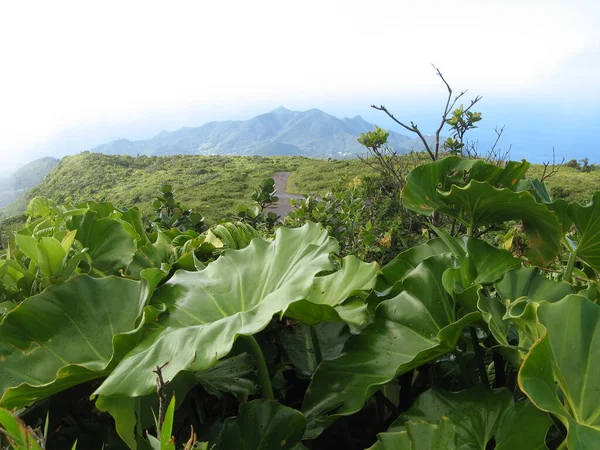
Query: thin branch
{"points": [[162, 395], [498, 136], [446, 109], [412, 128], [554, 168]]}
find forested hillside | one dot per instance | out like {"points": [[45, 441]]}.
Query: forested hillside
{"points": [[215, 185], [212, 185]]}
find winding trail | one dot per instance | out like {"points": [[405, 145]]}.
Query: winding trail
{"points": [[283, 207]]}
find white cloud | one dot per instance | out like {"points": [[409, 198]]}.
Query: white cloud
{"points": [[67, 62]]}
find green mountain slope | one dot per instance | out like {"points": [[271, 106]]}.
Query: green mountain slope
{"points": [[211, 185]]}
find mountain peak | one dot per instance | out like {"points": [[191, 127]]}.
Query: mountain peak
{"points": [[281, 109]]}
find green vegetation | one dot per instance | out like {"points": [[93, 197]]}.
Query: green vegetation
{"points": [[117, 332], [200, 181], [210, 185]]}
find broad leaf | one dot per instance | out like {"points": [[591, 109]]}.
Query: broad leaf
{"points": [[415, 327], [481, 204], [68, 334], [528, 282], [109, 244], [567, 357], [587, 221], [517, 290], [422, 193], [489, 263], [331, 291], [263, 425], [238, 294], [51, 256], [480, 415], [419, 436]]}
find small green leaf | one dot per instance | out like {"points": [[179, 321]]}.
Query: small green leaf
{"points": [[51, 256], [166, 430]]}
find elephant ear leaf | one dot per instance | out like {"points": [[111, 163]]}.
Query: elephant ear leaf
{"points": [[587, 221], [263, 425], [70, 333], [480, 415], [419, 436], [414, 327], [109, 244], [327, 300], [567, 357], [479, 204], [425, 183], [237, 295], [480, 194], [528, 282]]}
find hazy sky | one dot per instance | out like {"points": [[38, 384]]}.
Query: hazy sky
{"points": [[80, 73]]}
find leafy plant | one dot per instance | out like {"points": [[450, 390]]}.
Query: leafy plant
{"points": [[291, 341]]}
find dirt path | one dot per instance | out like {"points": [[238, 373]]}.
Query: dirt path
{"points": [[283, 207]]}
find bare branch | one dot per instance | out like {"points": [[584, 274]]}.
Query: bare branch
{"points": [[413, 128], [554, 168]]}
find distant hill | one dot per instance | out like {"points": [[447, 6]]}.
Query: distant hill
{"points": [[24, 178], [280, 132]]}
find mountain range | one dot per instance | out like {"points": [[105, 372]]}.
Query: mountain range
{"points": [[25, 177], [311, 133]]}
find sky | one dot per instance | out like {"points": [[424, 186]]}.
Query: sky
{"points": [[78, 74]]}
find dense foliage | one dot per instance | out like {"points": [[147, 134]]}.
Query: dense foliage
{"points": [[122, 334]]}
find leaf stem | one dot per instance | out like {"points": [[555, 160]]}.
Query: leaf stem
{"points": [[479, 357], [261, 365], [313, 340], [568, 274]]}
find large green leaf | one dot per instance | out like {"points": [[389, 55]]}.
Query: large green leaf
{"points": [[416, 326], [329, 292], [263, 425], [419, 436], [528, 282], [587, 221], [479, 194], [481, 204], [517, 289], [567, 357], [70, 333], [51, 256], [109, 244], [489, 263], [426, 182], [238, 294], [480, 414]]}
